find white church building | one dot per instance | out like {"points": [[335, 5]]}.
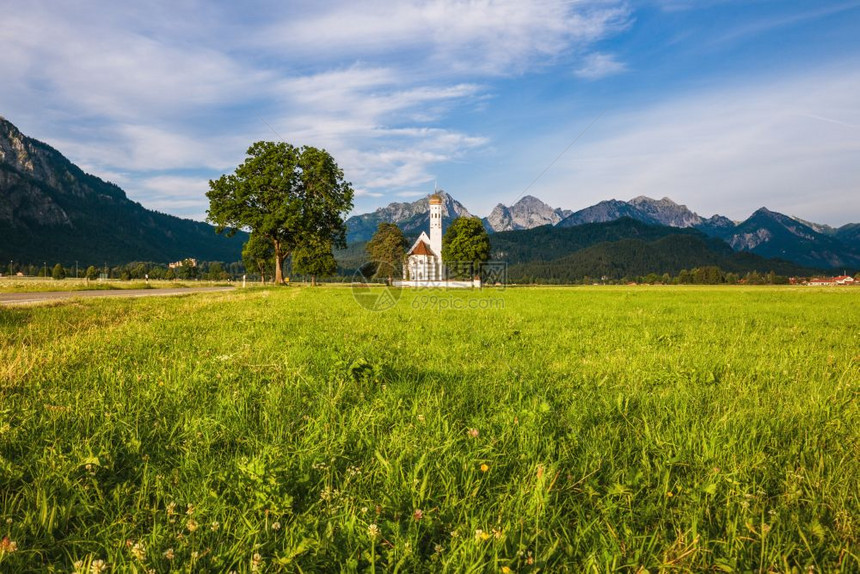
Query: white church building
{"points": [[424, 258], [423, 266]]}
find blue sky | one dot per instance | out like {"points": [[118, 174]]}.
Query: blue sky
{"points": [[722, 105]]}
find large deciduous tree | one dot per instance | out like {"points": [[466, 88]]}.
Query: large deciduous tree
{"points": [[387, 249], [290, 196], [465, 246]]}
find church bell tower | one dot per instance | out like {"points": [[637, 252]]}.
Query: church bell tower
{"points": [[436, 224]]}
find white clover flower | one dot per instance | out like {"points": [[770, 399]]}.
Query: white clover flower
{"points": [[139, 551], [256, 562], [373, 531]]}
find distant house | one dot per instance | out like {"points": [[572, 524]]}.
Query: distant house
{"points": [[831, 281], [191, 262]]}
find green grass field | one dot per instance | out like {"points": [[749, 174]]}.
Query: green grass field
{"points": [[37, 285], [564, 429]]}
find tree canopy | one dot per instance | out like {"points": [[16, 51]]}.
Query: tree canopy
{"points": [[58, 272], [258, 255], [291, 196], [387, 249], [465, 246], [314, 259]]}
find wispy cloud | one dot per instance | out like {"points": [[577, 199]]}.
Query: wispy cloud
{"points": [[163, 95], [728, 150], [595, 66], [154, 91], [761, 25], [489, 36]]}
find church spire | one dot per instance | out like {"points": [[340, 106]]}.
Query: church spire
{"points": [[436, 224]]}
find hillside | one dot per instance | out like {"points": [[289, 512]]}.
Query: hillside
{"points": [[621, 248], [52, 211], [551, 243], [849, 234], [771, 234], [637, 257]]}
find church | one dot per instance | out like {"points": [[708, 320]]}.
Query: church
{"points": [[424, 258], [423, 266]]}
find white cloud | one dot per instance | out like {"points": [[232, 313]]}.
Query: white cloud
{"points": [[104, 62], [135, 148], [175, 194], [473, 36], [729, 150], [597, 65], [133, 92]]}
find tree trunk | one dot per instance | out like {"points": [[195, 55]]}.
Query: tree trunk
{"points": [[279, 259], [279, 275], [313, 280]]}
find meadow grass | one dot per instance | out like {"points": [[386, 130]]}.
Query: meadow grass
{"points": [[564, 429]]}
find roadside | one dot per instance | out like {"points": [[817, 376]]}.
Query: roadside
{"points": [[39, 284]]}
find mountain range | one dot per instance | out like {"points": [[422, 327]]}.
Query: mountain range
{"points": [[527, 213], [50, 210], [412, 218], [624, 247], [765, 233]]}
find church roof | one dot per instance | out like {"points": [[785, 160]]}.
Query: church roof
{"points": [[421, 248]]}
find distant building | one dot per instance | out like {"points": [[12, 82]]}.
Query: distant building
{"points": [[831, 281], [423, 266], [191, 262]]}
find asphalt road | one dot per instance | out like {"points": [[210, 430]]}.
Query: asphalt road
{"points": [[24, 298]]}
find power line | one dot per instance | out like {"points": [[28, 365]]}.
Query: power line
{"points": [[558, 157]]}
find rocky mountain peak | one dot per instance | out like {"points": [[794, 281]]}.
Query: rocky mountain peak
{"points": [[666, 212], [528, 212], [13, 147], [412, 217]]}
